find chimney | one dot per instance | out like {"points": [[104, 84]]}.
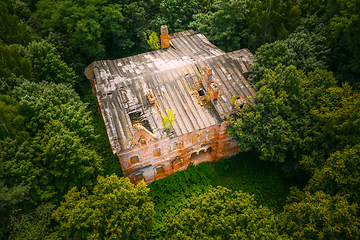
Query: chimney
{"points": [[214, 91], [208, 74], [165, 40], [209, 84], [206, 79]]}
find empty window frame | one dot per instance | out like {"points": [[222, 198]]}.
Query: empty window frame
{"points": [[227, 146], [138, 177], [134, 159], [160, 170], [157, 152]]}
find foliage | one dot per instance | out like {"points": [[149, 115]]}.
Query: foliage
{"points": [[334, 124], [115, 210], [34, 225], [343, 36], [319, 216], [43, 102], [13, 63], [12, 30], [94, 26], [17, 162], [65, 162], [47, 64], [340, 174], [176, 14], [244, 172], [10, 198], [222, 213], [305, 51], [154, 41], [225, 25], [276, 124], [11, 121], [271, 20], [171, 194], [55, 157], [168, 119]]}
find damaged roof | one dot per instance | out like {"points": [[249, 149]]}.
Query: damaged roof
{"points": [[173, 76]]}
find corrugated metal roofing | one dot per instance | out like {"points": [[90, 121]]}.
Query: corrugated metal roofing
{"points": [[173, 76]]}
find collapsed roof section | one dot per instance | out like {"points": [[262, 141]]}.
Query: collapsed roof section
{"points": [[138, 90]]}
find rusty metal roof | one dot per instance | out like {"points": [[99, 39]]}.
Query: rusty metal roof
{"points": [[173, 76]]}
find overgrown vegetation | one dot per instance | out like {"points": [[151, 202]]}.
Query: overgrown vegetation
{"points": [[243, 172], [304, 129]]}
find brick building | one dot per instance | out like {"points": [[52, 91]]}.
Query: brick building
{"points": [[190, 76]]}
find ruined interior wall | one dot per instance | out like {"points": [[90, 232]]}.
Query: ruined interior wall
{"points": [[175, 153]]}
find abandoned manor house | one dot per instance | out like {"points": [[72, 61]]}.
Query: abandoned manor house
{"points": [[167, 108]]}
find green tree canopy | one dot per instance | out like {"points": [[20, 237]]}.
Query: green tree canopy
{"points": [[13, 63], [225, 24], [43, 102], [304, 50], [276, 125], [11, 121], [271, 20], [333, 124], [64, 161], [94, 26], [223, 214], [116, 209], [340, 174], [33, 225], [47, 64], [12, 30], [176, 14], [319, 216]]}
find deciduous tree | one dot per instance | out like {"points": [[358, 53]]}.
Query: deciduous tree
{"points": [[47, 64], [319, 216], [223, 214], [115, 209], [276, 125]]}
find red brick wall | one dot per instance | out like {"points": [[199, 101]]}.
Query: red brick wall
{"points": [[177, 149]]}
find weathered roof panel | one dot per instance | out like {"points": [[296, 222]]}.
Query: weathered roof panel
{"points": [[173, 76]]}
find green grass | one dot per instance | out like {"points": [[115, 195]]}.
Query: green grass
{"points": [[247, 173]]}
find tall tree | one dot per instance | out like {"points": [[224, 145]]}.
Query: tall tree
{"points": [[94, 27], [115, 209], [43, 102], [319, 216], [333, 124], [48, 65], [223, 214], [12, 30], [13, 63], [276, 125], [176, 14], [64, 161], [271, 20], [225, 24], [304, 50], [340, 174]]}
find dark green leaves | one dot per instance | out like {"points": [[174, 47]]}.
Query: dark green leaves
{"points": [[115, 210]]}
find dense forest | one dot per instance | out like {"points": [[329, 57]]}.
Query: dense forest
{"points": [[299, 179]]}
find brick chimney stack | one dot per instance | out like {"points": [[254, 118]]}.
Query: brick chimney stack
{"points": [[165, 40], [209, 84]]}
